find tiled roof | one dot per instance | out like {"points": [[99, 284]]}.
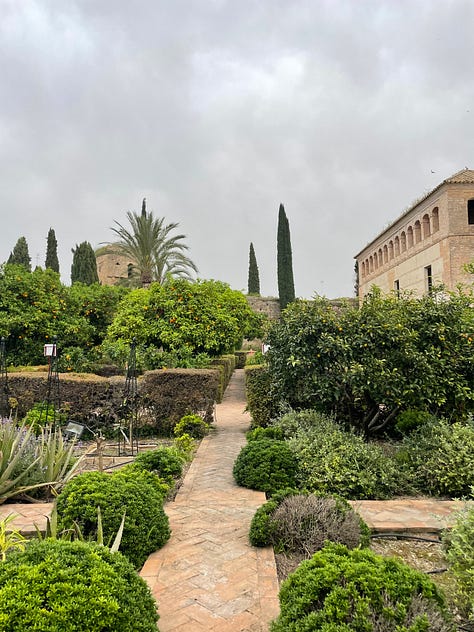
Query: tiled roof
{"points": [[465, 176]]}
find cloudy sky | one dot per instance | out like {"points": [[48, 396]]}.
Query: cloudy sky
{"points": [[218, 110]]}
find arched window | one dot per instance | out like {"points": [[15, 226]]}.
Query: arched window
{"points": [[380, 258], [362, 269], [426, 226], [417, 232], [409, 237], [435, 219], [396, 246], [376, 261], [403, 242], [385, 254], [371, 263], [390, 250]]}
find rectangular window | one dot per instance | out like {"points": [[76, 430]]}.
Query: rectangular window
{"points": [[428, 279], [396, 287], [470, 211]]}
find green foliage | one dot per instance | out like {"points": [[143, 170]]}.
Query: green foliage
{"points": [[34, 308], [59, 586], [366, 365], [300, 523], [270, 432], [266, 465], [286, 285], [459, 545], [10, 539], [440, 458], [20, 255], [84, 265], [411, 419], [253, 279], [41, 415], [185, 445], [146, 525], [260, 402], [167, 463], [193, 425], [201, 317], [334, 461], [52, 260], [154, 252], [343, 590]]}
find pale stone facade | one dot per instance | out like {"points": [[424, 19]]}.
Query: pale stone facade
{"points": [[428, 245], [112, 268]]}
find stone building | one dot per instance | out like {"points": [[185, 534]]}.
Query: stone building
{"points": [[427, 245], [112, 268]]}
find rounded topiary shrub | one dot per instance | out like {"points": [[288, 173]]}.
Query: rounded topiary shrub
{"points": [[342, 590], [165, 462], [266, 465], [270, 432], [300, 523], [146, 524], [55, 585], [192, 425]]}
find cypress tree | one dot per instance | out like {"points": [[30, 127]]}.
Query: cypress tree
{"points": [[20, 254], [254, 279], [84, 265], [52, 261], [286, 284], [356, 279]]}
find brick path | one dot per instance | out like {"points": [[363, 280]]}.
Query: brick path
{"points": [[208, 577]]}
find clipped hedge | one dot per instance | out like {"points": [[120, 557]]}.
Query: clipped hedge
{"points": [[338, 590], [227, 363], [266, 465], [146, 524], [61, 586], [260, 402]]}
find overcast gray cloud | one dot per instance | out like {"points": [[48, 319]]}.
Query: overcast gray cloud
{"points": [[217, 111]]}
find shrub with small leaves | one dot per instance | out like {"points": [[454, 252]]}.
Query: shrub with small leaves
{"points": [[270, 432], [339, 590], [440, 457], [411, 420], [146, 524], [301, 523], [60, 586], [165, 462], [459, 546], [266, 465], [192, 425]]}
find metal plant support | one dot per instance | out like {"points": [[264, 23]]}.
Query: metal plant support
{"points": [[52, 401], [5, 390], [129, 408]]}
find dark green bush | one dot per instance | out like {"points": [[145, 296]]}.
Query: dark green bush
{"points": [[165, 462], [333, 461], [146, 524], [260, 402], [440, 458], [266, 465], [192, 425], [60, 586], [412, 419], [338, 590], [301, 523], [270, 432]]}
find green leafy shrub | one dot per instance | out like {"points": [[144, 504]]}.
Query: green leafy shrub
{"points": [[56, 585], [333, 461], [301, 523], [165, 462], [185, 445], [266, 465], [339, 590], [440, 458], [412, 419], [260, 402], [270, 432], [192, 425], [146, 525], [459, 546], [41, 415]]}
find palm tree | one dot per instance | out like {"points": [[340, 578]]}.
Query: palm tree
{"points": [[154, 252]]}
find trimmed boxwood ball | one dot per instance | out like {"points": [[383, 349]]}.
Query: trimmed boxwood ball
{"points": [[166, 462], [342, 590], [146, 524], [266, 465], [61, 586], [301, 523]]}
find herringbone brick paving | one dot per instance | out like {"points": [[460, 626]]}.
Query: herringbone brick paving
{"points": [[208, 577]]}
